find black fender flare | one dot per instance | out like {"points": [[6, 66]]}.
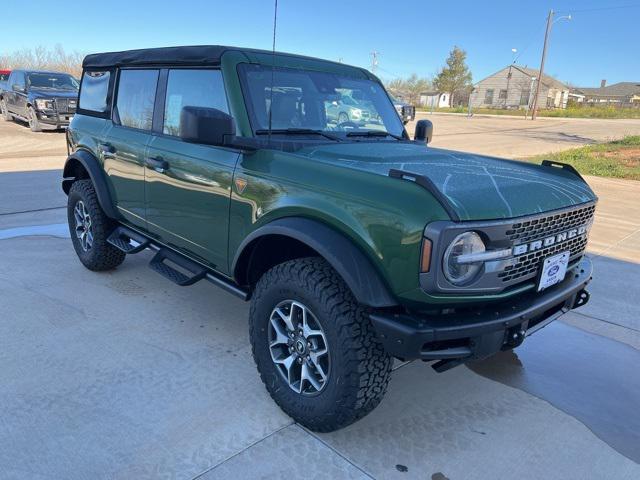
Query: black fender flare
{"points": [[96, 174], [343, 255]]}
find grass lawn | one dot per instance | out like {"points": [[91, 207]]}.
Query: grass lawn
{"points": [[618, 159], [569, 112]]}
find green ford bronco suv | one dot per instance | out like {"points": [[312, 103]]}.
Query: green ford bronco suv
{"points": [[354, 243]]}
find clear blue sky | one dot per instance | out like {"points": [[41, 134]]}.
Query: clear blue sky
{"points": [[412, 35]]}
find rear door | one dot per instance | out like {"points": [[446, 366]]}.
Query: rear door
{"points": [[125, 144], [188, 191]]}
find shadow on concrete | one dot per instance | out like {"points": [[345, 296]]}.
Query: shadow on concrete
{"points": [[31, 190], [589, 377]]}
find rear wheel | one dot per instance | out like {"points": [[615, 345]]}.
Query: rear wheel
{"points": [[315, 347], [89, 228], [34, 123], [4, 112]]}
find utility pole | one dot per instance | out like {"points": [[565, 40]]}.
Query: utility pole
{"points": [[374, 61], [534, 110]]}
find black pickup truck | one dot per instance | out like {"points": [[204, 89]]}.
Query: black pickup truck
{"points": [[43, 99]]}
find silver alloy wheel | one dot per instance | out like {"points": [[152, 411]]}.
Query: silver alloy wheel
{"points": [[31, 119], [299, 347], [84, 232]]}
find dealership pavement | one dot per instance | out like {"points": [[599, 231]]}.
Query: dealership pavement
{"points": [[124, 375]]}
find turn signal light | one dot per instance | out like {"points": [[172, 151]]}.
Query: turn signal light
{"points": [[425, 260]]}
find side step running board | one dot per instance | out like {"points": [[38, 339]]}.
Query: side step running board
{"points": [[195, 271], [171, 264], [127, 240]]}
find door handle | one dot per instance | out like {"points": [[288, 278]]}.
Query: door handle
{"points": [[107, 150], [157, 164]]}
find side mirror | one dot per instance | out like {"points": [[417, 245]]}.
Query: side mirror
{"points": [[18, 88], [424, 131], [208, 126]]}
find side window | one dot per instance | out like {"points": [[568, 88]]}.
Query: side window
{"points": [[94, 91], [136, 96], [488, 97], [18, 79], [192, 88]]}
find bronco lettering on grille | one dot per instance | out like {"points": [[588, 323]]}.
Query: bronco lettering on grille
{"points": [[548, 241]]}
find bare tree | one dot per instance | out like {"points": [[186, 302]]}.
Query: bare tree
{"points": [[409, 89], [42, 58]]}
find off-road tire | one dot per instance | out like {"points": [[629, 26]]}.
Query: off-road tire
{"points": [[102, 255], [359, 367], [4, 112], [34, 123]]}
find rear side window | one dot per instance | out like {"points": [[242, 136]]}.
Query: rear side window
{"points": [[192, 88], [136, 96], [95, 91]]}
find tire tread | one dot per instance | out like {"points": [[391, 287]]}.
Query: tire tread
{"points": [[367, 363], [106, 256]]}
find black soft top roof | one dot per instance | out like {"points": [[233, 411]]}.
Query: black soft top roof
{"points": [[205, 55], [193, 55]]}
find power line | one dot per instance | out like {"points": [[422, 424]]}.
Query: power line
{"points": [[598, 9], [533, 40]]}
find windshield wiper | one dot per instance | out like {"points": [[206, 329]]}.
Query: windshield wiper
{"points": [[373, 133], [298, 131]]}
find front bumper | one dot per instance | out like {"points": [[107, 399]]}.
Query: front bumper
{"points": [[51, 117], [460, 337]]}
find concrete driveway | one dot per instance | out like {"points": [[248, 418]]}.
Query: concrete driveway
{"points": [[124, 375]]}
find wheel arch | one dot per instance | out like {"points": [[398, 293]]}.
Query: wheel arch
{"points": [[81, 164], [295, 237]]}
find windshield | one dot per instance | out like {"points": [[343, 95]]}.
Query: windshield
{"points": [[58, 81], [320, 101]]}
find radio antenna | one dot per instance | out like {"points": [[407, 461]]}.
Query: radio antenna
{"points": [[273, 65]]}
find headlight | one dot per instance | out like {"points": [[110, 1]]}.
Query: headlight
{"points": [[43, 104], [458, 269]]}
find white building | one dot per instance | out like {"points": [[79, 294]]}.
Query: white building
{"points": [[434, 99]]}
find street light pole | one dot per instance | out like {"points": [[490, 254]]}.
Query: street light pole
{"points": [[544, 55]]}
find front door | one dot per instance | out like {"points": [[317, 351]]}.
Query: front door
{"points": [[125, 145], [16, 99], [188, 186]]}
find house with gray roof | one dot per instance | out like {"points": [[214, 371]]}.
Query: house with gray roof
{"points": [[514, 87], [621, 93]]}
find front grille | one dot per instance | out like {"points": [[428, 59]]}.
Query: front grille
{"points": [[529, 263], [408, 111], [546, 226], [64, 105]]}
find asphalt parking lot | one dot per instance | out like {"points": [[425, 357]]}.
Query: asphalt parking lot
{"points": [[125, 375]]}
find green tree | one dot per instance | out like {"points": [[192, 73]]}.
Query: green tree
{"points": [[455, 77]]}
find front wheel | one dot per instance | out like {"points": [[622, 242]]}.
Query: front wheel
{"points": [[34, 123], [315, 347]]}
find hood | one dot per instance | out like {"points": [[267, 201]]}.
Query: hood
{"points": [[478, 187], [52, 93]]}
